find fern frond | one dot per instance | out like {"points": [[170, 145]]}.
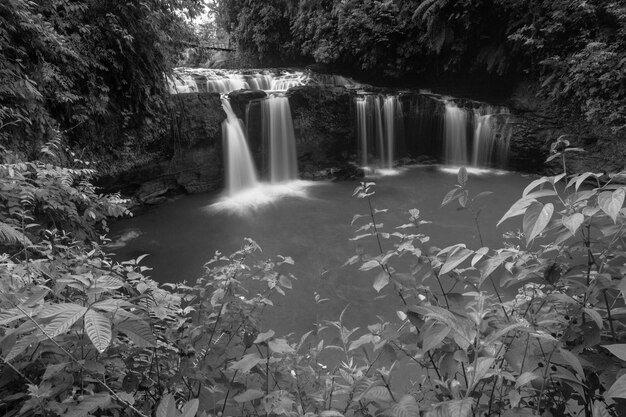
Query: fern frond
{"points": [[51, 147], [11, 236]]}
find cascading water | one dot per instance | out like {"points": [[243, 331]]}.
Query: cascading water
{"points": [[260, 81], [361, 128], [394, 127], [455, 135], [490, 144], [240, 171], [483, 140], [429, 125], [278, 128], [188, 80], [381, 149], [285, 82], [380, 126], [370, 128]]}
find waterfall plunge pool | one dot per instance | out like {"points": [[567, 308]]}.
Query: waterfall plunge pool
{"points": [[310, 222]]}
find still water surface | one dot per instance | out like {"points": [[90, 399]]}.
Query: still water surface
{"points": [[310, 222]]}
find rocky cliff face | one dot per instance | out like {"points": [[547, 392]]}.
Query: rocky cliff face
{"points": [[324, 125], [192, 149], [536, 125], [325, 130]]}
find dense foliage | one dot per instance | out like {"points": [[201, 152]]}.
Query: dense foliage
{"points": [[94, 68], [81, 334], [575, 50]]}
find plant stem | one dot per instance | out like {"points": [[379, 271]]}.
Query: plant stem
{"points": [[608, 311]]}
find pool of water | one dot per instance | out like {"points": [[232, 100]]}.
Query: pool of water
{"points": [[310, 222]]}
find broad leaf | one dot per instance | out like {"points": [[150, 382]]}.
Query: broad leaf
{"points": [[285, 281], [573, 361], [573, 222], [534, 185], [611, 202], [190, 409], [462, 176], [362, 385], [98, 328], [249, 395], [599, 410], [63, 321], [489, 265], [454, 259], [482, 367], [167, 407], [381, 281], [280, 346], [617, 350], [618, 389], [434, 335], [108, 282], [451, 195], [595, 316], [246, 363], [52, 310], [406, 407], [518, 208], [139, 332], [89, 404], [525, 378], [372, 263], [378, 394], [265, 336], [536, 219], [363, 340]]}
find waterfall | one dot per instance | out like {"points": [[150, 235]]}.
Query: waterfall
{"points": [[490, 142], [455, 135], [361, 128], [370, 129], [278, 128], [380, 128], [287, 81], [240, 170], [394, 127], [260, 82], [484, 140]]}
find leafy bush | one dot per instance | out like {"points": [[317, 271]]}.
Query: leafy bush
{"points": [[81, 334]]}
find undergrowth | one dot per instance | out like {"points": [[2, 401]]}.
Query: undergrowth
{"points": [[81, 334]]}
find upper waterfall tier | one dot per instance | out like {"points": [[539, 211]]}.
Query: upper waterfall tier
{"points": [[204, 80]]}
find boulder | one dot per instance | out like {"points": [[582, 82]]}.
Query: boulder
{"points": [[240, 99], [154, 191]]}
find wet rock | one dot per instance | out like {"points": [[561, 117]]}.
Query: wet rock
{"points": [[153, 192], [240, 99], [324, 123], [537, 124], [196, 120]]}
